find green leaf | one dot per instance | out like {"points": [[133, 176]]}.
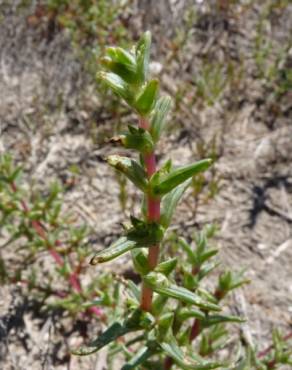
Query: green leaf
{"points": [[178, 176], [188, 249], [147, 98], [116, 84], [144, 233], [131, 169], [122, 56], [138, 139], [143, 56], [187, 313], [219, 319], [141, 235], [206, 269], [158, 305], [229, 281], [119, 247], [158, 117], [125, 72], [139, 358], [137, 321], [213, 340], [170, 201], [166, 267], [115, 331], [15, 174], [160, 284], [134, 290], [173, 350], [140, 261]]}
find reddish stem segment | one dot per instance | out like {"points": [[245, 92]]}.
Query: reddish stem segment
{"points": [[168, 363], [269, 349], [41, 231], [153, 214], [195, 331]]}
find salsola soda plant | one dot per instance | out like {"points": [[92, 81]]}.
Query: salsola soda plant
{"points": [[171, 321], [33, 224], [161, 309]]}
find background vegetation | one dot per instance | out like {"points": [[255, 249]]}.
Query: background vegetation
{"points": [[227, 64]]}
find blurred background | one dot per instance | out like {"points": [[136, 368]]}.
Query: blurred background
{"points": [[227, 64]]}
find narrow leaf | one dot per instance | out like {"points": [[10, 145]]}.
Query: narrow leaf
{"points": [[140, 261], [137, 321], [166, 267], [121, 246], [138, 139], [134, 290], [143, 56], [165, 323], [187, 313], [145, 234], [160, 284], [170, 201], [188, 249], [122, 56], [186, 362], [112, 333], [131, 169], [124, 71], [158, 118], [116, 84], [139, 358], [147, 98], [219, 319], [180, 175]]}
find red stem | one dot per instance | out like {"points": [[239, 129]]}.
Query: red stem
{"points": [[168, 363], [195, 331], [153, 214], [41, 231], [267, 350]]}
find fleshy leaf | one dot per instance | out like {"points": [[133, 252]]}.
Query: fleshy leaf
{"points": [[134, 290], [138, 139], [143, 56], [173, 350], [164, 325], [122, 56], [117, 84], [141, 235], [140, 261], [121, 246], [137, 321], [131, 169], [139, 358], [160, 284], [170, 201], [219, 319], [125, 72], [188, 250], [158, 304], [115, 331], [147, 98], [178, 176], [145, 234], [229, 281], [166, 267], [158, 117], [187, 313]]}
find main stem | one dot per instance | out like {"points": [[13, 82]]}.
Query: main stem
{"points": [[153, 214]]}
